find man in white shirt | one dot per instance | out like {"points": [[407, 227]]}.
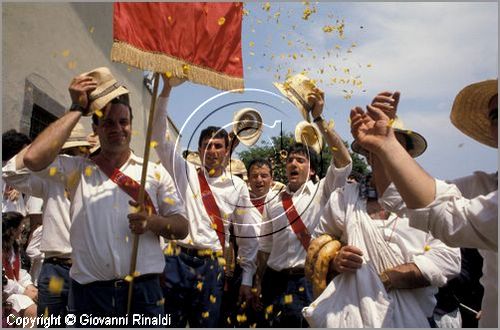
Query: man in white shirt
{"points": [[52, 239], [420, 263], [101, 191], [434, 205], [214, 199], [289, 219]]}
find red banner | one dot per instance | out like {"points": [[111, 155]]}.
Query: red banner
{"points": [[199, 41]]}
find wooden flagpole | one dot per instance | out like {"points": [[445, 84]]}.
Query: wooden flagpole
{"points": [[147, 147]]}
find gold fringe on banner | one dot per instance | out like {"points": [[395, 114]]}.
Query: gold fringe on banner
{"points": [[125, 53]]}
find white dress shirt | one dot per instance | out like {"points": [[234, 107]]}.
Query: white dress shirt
{"points": [[100, 235], [470, 221], [56, 218], [277, 236], [437, 262], [230, 193]]}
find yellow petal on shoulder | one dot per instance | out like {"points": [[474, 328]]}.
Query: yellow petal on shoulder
{"points": [[52, 171]]}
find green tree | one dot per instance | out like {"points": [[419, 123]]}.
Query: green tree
{"points": [[274, 152]]}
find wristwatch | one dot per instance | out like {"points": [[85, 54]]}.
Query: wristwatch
{"points": [[386, 281], [77, 107]]}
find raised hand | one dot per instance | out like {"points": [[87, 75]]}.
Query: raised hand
{"points": [[80, 88], [372, 130], [387, 102]]}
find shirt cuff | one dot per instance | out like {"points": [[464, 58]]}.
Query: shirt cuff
{"points": [[430, 271], [246, 278]]}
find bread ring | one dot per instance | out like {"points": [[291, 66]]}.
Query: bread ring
{"points": [[312, 254], [325, 255]]}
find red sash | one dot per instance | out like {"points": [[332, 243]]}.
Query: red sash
{"points": [[211, 207], [11, 273], [259, 204], [126, 183], [295, 221]]}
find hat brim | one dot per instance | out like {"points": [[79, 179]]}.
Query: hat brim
{"points": [[470, 111], [292, 97], [72, 144], [101, 102], [318, 145], [252, 138], [417, 142]]}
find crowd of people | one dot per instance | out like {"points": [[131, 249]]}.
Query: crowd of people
{"points": [[216, 250]]}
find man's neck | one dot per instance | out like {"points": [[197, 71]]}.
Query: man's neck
{"points": [[114, 159]]}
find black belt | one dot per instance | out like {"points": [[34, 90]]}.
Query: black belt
{"points": [[58, 261], [122, 282], [199, 253], [295, 271]]}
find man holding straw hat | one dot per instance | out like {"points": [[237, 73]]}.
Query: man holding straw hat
{"points": [[101, 190], [467, 217]]}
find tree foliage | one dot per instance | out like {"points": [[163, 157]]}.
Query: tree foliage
{"points": [[273, 152]]}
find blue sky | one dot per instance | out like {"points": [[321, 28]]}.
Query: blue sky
{"points": [[428, 51]]}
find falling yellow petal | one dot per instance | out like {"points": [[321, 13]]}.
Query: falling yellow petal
{"points": [[213, 299], [245, 12], [91, 29], [288, 299], [136, 274], [301, 289], [46, 312], [240, 211], [222, 261], [160, 302], [128, 278], [65, 53], [52, 171], [211, 172], [205, 315], [427, 248], [153, 144], [126, 238], [88, 171], [168, 74], [266, 6], [199, 286], [251, 43], [71, 64], [221, 21], [228, 320], [56, 285], [98, 113]]}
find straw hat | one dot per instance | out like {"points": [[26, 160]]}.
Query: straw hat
{"points": [[309, 135], [296, 89], [237, 167], [193, 157], [415, 143], [471, 108], [247, 125], [107, 88], [77, 138]]}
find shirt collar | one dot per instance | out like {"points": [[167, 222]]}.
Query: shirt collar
{"points": [[306, 188]]}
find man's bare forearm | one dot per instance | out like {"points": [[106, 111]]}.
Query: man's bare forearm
{"points": [[171, 227], [47, 145], [341, 157], [406, 276]]}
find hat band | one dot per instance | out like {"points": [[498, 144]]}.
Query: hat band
{"points": [[297, 96], [104, 92]]}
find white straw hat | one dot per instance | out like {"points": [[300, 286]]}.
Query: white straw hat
{"points": [[107, 88], [415, 143], [77, 138], [471, 109], [296, 89], [308, 134], [247, 125]]}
